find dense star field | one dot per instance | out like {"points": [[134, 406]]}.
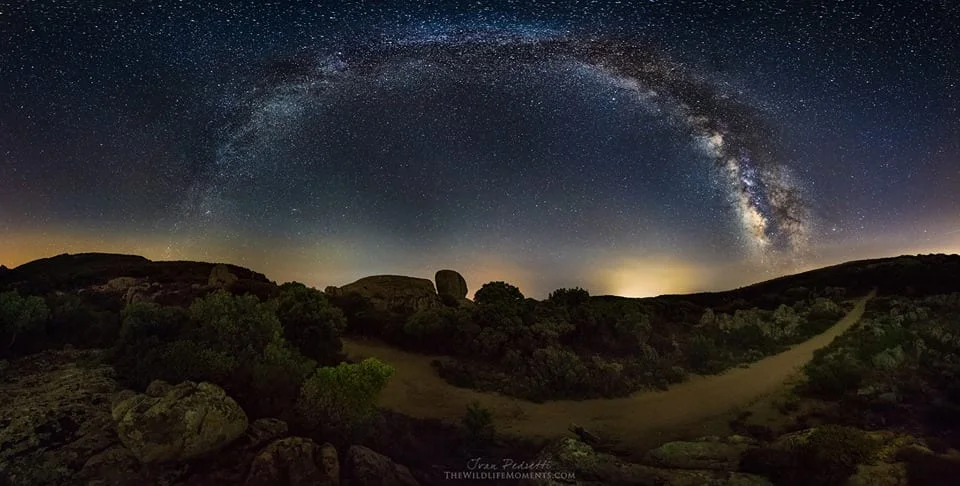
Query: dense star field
{"points": [[629, 148]]}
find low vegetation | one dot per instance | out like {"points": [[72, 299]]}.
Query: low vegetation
{"points": [[899, 368], [572, 345]]}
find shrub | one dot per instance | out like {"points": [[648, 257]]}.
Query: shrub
{"points": [[833, 376], [498, 293], [310, 322], [478, 423], [239, 326], [276, 378], [703, 354], [345, 395], [827, 457], [80, 322], [832, 452], [21, 317], [569, 297]]}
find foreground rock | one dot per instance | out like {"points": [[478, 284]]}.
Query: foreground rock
{"points": [[714, 453], [295, 461], [392, 293], [572, 458], [187, 421], [370, 468], [54, 415], [451, 283]]}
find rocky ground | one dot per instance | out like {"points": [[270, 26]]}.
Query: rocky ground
{"points": [[67, 422]]}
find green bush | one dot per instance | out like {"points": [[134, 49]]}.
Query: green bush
{"points": [[703, 354], [832, 452], [569, 297], [21, 317], [478, 423], [78, 321], [276, 378], [498, 293], [833, 376], [310, 322], [345, 395], [827, 457], [238, 326]]}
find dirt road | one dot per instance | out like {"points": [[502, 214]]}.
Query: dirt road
{"points": [[416, 390]]}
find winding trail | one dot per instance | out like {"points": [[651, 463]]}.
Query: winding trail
{"points": [[416, 390]]}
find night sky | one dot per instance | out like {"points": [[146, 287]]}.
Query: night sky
{"points": [[632, 148]]}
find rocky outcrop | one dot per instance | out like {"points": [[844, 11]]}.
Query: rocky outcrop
{"points": [[450, 282], [132, 289], [295, 461], [571, 458], [366, 467], [393, 293], [714, 453], [221, 276], [894, 474], [54, 415], [187, 421]]}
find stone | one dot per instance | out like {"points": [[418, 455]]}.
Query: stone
{"points": [[295, 461], [264, 430], [221, 276], [366, 467], [158, 388], [713, 455], [894, 474], [584, 434], [188, 421], [394, 293], [450, 282], [54, 416]]}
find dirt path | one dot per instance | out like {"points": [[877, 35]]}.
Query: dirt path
{"points": [[416, 390]]}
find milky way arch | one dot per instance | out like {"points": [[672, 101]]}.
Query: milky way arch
{"points": [[772, 214]]}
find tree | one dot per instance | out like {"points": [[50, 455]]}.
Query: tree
{"points": [[569, 297], [239, 326], [310, 322], [498, 293], [345, 395], [20, 315]]}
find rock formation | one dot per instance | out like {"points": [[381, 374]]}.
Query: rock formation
{"points": [[450, 282], [221, 276], [370, 468], [188, 420], [393, 293], [295, 461]]}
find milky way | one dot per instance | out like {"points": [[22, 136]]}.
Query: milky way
{"points": [[771, 211], [631, 148]]}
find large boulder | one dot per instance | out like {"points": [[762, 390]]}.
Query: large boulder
{"points": [[450, 282], [707, 453], [295, 461], [366, 467], [393, 293], [187, 421], [54, 416]]}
